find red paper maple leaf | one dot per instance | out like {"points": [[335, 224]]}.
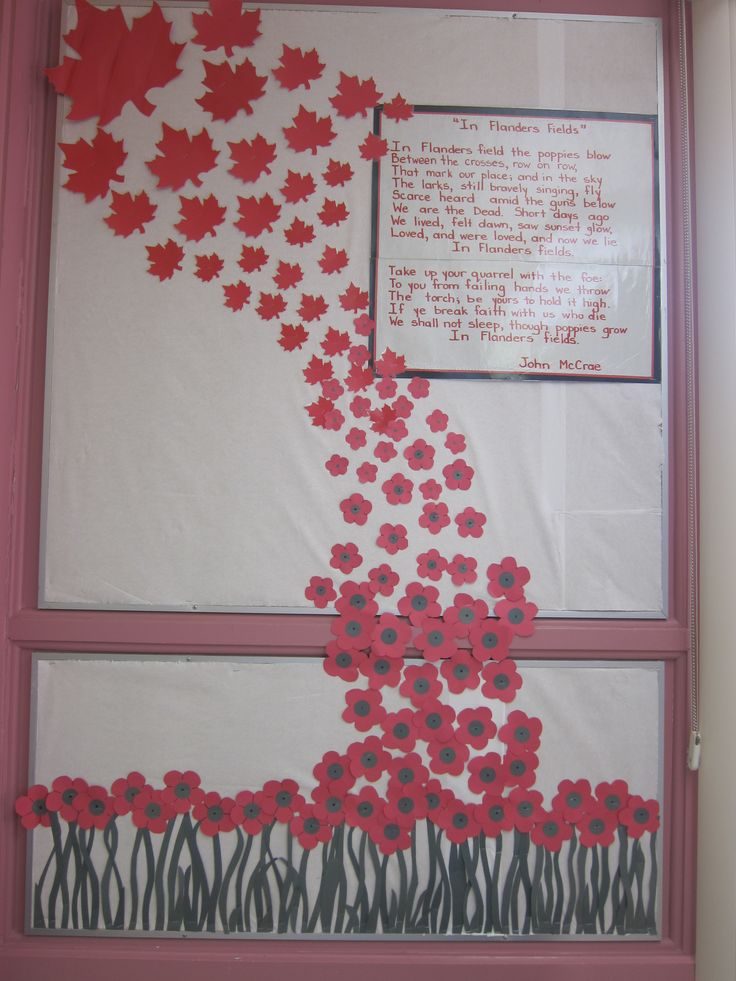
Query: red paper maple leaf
{"points": [[129, 213], [398, 108], [312, 307], [231, 89], [319, 410], [95, 164], [236, 295], [373, 147], [199, 217], [358, 378], [355, 96], [353, 298], [226, 26], [335, 342], [298, 233], [182, 157], [208, 266], [270, 305], [251, 158], [317, 371], [116, 65], [292, 336], [164, 260], [390, 363], [333, 212], [287, 275], [298, 68], [382, 418], [257, 215], [332, 260], [252, 258], [336, 174], [308, 132], [298, 187]]}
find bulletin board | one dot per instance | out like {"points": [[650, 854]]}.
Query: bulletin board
{"points": [[226, 427]]}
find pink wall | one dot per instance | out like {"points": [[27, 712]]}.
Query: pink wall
{"points": [[28, 42]]}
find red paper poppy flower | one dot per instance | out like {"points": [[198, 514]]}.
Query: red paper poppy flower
{"points": [[388, 835], [458, 475], [368, 758], [94, 808], [487, 774], [152, 812], [337, 465], [398, 489], [475, 726], [420, 455], [420, 683], [437, 421], [597, 827], [490, 638], [639, 816], [383, 579], [182, 790], [437, 798], [521, 732], [436, 639], [506, 578], [613, 796], [381, 671], [461, 672], [430, 489], [214, 814], [431, 565], [333, 771], [462, 569], [517, 615], [455, 443], [501, 680], [308, 829], [466, 613], [470, 523], [434, 721], [356, 438], [550, 830], [384, 451], [521, 769], [253, 811], [419, 387], [364, 708], [320, 591], [434, 517], [366, 473], [353, 629], [356, 597], [360, 406], [392, 538], [126, 789], [494, 814], [573, 799], [405, 771], [391, 636], [355, 509], [458, 821], [399, 731], [526, 807], [448, 757], [61, 798], [343, 662], [345, 557], [419, 602], [364, 809], [329, 806], [386, 387], [282, 799], [31, 807], [406, 806]]}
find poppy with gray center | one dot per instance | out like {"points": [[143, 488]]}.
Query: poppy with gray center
{"points": [[406, 775], [333, 804], [433, 720], [466, 614], [96, 806], [434, 516], [345, 556], [596, 826], [550, 829], [435, 638], [461, 671], [458, 474], [487, 774], [39, 807], [421, 686], [362, 708], [365, 808], [391, 831], [251, 810], [641, 815], [462, 567], [398, 489], [460, 820], [400, 730], [476, 728], [354, 628], [368, 760], [612, 802], [469, 522], [496, 813], [335, 771], [182, 790], [525, 808], [501, 681], [69, 794], [215, 813], [406, 804], [389, 635], [489, 640], [418, 454], [432, 564], [522, 734], [283, 798], [433, 801], [419, 603], [393, 538], [517, 768], [382, 665], [355, 508], [382, 578], [152, 810], [320, 590], [448, 754], [516, 616], [311, 825], [358, 601], [343, 659], [131, 793], [573, 799], [506, 579]]}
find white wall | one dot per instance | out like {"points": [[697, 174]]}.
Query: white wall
{"points": [[715, 121]]}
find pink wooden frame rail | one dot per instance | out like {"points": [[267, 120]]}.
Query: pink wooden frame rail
{"points": [[29, 42]]}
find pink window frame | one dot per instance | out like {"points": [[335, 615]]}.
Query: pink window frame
{"points": [[29, 31]]}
